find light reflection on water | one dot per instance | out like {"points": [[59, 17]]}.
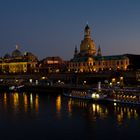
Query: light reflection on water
{"points": [[50, 112], [29, 101], [20, 101], [58, 106], [102, 111]]}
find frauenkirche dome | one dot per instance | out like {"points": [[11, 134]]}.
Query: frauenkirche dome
{"points": [[87, 46]]}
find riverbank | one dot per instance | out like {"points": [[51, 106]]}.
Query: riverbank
{"points": [[39, 88], [129, 77], [57, 82]]}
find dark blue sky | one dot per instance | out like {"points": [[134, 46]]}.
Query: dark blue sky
{"points": [[54, 27]]}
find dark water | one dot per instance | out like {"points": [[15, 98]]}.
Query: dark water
{"points": [[32, 116]]}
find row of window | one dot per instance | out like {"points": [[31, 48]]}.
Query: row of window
{"points": [[99, 63], [95, 69]]}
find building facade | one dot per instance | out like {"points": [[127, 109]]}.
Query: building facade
{"points": [[53, 64], [18, 62], [90, 60]]}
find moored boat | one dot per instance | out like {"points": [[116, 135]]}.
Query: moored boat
{"points": [[85, 94], [124, 97], [15, 88], [88, 94]]}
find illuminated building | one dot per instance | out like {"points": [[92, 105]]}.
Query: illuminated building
{"points": [[90, 60], [18, 62], [52, 64]]}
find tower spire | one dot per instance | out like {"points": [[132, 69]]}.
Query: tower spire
{"points": [[87, 31], [75, 51], [99, 53]]}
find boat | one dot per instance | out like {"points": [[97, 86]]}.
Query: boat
{"points": [[118, 89], [84, 94], [12, 88], [124, 97], [16, 87], [87, 94]]}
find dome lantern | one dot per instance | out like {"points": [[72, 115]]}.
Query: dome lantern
{"points": [[16, 52]]}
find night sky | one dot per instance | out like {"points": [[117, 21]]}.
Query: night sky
{"points": [[54, 27]]}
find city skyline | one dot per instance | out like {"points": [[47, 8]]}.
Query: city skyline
{"points": [[52, 28]]}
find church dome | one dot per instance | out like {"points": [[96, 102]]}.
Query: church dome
{"points": [[7, 56], [16, 53], [87, 46]]}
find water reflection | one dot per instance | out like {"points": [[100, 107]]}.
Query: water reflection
{"points": [[42, 114], [36, 103], [93, 108], [70, 107], [20, 101], [31, 102], [99, 111], [15, 101], [103, 111], [125, 112], [25, 102], [5, 101], [58, 105]]}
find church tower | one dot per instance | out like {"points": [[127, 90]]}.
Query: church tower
{"points": [[75, 52], [87, 47], [99, 53]]}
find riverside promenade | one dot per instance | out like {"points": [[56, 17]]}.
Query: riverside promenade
{"points": [[56, 89], [44, 83], [57, 82]]}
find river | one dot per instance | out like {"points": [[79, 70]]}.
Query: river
{"points": [[47, 116]]}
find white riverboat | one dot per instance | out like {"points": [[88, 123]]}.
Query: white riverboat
{"points": [[84, 94], [88, 94]]}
